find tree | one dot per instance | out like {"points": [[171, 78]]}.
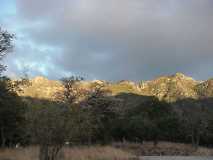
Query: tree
{"points": [[49, 127], [71, 90], [11, 113], [149, 120], [157, 119], [209, 136], [104, 110], [74, 97], [11, 105], [5, 45], [195, 122], [74, 118]]}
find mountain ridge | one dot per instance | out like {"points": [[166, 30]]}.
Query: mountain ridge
{"points": [[169, 88]]}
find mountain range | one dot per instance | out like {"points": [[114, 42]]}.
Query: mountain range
{"points": [[170, 88]]}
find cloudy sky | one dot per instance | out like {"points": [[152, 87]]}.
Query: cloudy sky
{"points": [[109, 39]]}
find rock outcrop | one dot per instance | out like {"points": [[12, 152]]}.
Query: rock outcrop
{"points": [[42, 88], [171, 88]]}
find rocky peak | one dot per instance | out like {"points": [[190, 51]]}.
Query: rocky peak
{"points": [[40, 79], [171, 88], [179, 75], [99, 82]]}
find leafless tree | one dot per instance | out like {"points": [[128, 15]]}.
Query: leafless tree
{"points": [[71, 90]]}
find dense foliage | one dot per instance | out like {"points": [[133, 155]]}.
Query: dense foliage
{"points": [[102, 119], [11, 114]]}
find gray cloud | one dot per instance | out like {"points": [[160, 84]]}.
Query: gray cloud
{"points": [[119, 39]]}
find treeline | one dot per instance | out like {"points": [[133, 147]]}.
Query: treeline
{"points": [[94, 116]]}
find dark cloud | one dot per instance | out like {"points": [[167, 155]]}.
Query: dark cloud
{"points": [[119, 39]]}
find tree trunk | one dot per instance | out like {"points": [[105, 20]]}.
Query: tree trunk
{"points": [[54, 152], [3, 139], [49, 152], [195, 140], [43, 154], [89, 141], [155, 142]]}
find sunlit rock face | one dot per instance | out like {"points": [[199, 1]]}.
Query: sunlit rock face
{"points": [[169, 88], [205, 89], [42, 88]]}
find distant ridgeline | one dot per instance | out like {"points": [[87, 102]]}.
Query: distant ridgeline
{"points": [[168, 88]]}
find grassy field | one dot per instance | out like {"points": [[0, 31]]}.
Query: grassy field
{"points": [[117, 151], [164, 149], [75, 153]]}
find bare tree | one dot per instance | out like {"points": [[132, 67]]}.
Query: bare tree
{"points": [[71, 90]]}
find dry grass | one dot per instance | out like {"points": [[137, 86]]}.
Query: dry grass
{"points": [[76, 153], [95, 153], [30, 153], [118, 151], [164, 148]]}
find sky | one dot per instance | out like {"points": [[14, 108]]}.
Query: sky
{"points": [[109, 39]]}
